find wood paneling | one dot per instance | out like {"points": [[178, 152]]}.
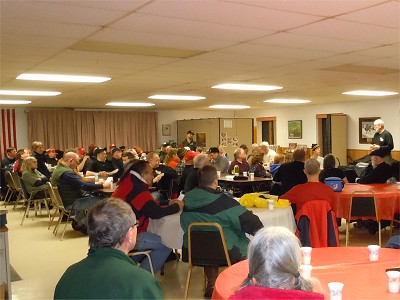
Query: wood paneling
{"points": [[353, 154]]}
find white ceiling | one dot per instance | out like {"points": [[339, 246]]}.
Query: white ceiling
{"points": [[315, 49]]}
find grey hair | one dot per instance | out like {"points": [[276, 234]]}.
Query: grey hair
{"points": [[200, 160], [237, 152], [108, 222], [70, 155], [274, 260], [311, 166]]}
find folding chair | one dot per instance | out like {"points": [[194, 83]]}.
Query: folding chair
{"points": [[206, 248], [31, 200], [59, 208], [362, 204], [15, 176], [147, 254], [11, 188]]}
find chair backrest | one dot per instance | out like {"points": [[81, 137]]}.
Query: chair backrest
{"points": [[55, 196], [363, 204], [316, 225], [10, 181], [24, 191], [206, 245]]}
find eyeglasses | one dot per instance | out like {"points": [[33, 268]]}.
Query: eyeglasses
{"points": [[136, 224]]}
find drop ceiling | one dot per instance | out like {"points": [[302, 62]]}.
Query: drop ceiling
{"points": [[314, 49]]}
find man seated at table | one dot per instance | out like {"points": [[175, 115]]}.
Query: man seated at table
{"points": [[292, 173], [74, 191], [311, 190], [164, 179], [240, 160], [108, 272], [205, 204], [220, 162], [117, 162], [133, 188], [101, 165], [381, 170]]}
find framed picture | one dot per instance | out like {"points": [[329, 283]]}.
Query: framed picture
{"points": [[166, 130], [295, 129], [366, 130]]}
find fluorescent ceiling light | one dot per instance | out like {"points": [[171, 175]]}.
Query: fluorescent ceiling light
{"points": [[64, 78], [246, 87], [369, 93], [28, 93], [16, 102], [228, 106], [130, 104], [291, 101], [176, 97]]}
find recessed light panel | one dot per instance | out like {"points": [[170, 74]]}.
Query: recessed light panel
{"points": [[130, 104], [227, 106], [14, 102], [63, 78], [176, 97], [28, 93], [246, 87], [369, 93], [287, 101]]}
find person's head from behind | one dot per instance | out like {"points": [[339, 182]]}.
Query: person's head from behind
{"points": [[299, 155], [208, 177], [256, 157], [311, 167], [329, 162], [279, 159], [112, 224], [200, 160], [274, 260]]}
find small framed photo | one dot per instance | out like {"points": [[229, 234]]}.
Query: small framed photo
{"points": [[295, 129], [166, 130], [366, 130]]}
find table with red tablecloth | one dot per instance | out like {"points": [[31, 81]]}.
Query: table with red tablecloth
{"points": [[387, 199], [362, 279]]}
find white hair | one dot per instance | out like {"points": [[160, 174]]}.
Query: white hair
{"points": [[379, 122], [200, 160], [266, 144], [274, 260]]}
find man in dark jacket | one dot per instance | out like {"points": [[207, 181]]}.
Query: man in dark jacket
{"points": [[292, 173], [381, 170], [38, 153], [205, 204]]}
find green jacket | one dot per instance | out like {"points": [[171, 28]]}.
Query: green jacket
{"points": [[30, 178], [206, 205], [107, 273], [58, 171]]}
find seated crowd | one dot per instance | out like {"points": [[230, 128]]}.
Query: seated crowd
{"points": [[150, 184]]}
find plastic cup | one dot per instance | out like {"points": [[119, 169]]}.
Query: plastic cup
{"points": [[270, 204], [306, 255], [335, 290], [245, 174], [251, 176], [373, 252], [236, 174], [393, 281], [305, 271], [219, 174]]}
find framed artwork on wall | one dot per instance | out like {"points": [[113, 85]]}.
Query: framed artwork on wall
{"points": [[366, 129], [166, 130], [295, 129]]}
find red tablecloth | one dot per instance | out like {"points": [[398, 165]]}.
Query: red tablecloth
{"points": [[387, 199], [362, 279]]}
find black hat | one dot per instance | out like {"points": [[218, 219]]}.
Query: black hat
{"points": [[314, 147], [165, 144], [99, 150], [115, 150], [213, 150]]}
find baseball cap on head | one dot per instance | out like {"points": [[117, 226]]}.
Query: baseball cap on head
{"points": [[99, 150]]}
